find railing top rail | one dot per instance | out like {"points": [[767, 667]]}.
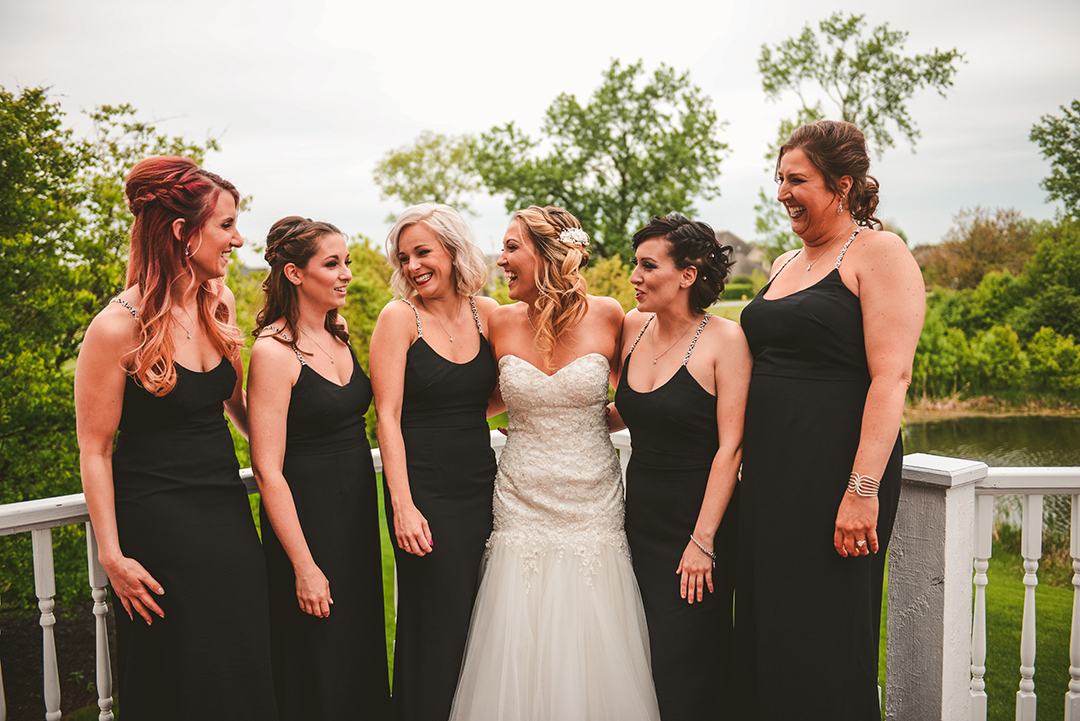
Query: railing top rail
{"points": [[1034, 480], [42, 513]]}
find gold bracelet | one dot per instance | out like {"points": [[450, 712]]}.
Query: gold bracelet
{"points": [[864, 486]]}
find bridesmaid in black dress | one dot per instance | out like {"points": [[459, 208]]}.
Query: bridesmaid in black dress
{"points": [[169, 510], [685, 413], [434, 373], [833, 343], [311, 458]]}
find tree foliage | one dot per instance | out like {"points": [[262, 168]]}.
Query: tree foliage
{"points": [[434, 168], [611, 277], [643, 145], [866, 79], [981, 241], [63, 230], [1059, 142]]}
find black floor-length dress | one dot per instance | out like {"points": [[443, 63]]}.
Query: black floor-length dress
{"points": [[451, 470], [807, 619], [675, 438], [334, 667], [183, 513]]}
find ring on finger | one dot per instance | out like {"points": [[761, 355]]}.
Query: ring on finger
{"points": [[861, 542]]}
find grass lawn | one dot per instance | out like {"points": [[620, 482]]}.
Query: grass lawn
{"points": [[1004, 619]]}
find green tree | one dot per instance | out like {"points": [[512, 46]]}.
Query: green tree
{"points": [[434, 168], [643, 145], [63, 227], [1059, 141], [981, 241], [1054, 361], [998, 359], [866, 79], [611, 277]]}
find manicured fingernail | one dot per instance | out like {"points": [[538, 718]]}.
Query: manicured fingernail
{"points": [[161, 591]]}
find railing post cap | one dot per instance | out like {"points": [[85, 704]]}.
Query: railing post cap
{"points": [[942, 471]]}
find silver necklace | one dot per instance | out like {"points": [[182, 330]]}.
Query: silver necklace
{"points": [[186, 329], [656, 335], [304, 332], [457, 319], [529, 317], [810, 264]]}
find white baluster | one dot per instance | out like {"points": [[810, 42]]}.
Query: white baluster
{"points": [[1072, 697], [984, 536], [98, 581], [1031, 549], [45, 588]]}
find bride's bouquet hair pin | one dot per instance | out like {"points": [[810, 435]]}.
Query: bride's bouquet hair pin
{"points": [[574, 236]]}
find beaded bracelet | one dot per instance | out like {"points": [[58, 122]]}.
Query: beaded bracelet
{"points": [[708, 553], [864, 486]]}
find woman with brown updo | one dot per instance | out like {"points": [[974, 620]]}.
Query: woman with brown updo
{"points": [[311, 458], [171, 515], [833, 335], [558, 630]]}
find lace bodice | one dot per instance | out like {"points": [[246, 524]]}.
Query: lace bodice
{"points": [[558, 488]]}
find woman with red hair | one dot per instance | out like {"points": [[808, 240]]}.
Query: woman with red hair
{"points": [[173, 524]]}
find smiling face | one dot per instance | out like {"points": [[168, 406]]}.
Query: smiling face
{"points": [[212, 245], [325, 281], [519, 261], [657, 281], [810, 204], [425, 262]]}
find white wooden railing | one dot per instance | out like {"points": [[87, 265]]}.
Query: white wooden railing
{"points": [[936, 641]]}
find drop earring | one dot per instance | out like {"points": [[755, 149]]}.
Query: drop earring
{"points": [[840, 206]]}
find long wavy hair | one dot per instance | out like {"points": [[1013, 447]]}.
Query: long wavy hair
{"points": [[562, 291], [292, 240], [837, 149], [467, 262], [161, 190]]}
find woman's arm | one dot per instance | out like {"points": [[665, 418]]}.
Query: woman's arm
{"points": [[100, 378], [393, 335], [236, 405], [893, 300], [732, 363], [274, 371]]}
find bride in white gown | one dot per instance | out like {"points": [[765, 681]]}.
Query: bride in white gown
{"points": [[558, 631]]}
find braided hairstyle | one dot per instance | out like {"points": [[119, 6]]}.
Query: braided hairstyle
{"points": [[161, 190], [692, 243], [837, 149], [562, 291], [292, 240]]}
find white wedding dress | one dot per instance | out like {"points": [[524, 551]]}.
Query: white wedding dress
{"points": [[558, 632]]}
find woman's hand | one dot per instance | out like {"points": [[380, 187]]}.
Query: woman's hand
{"points": [[413, 534], [856, 521], [696, 568], [313, 591], [133, 584]]}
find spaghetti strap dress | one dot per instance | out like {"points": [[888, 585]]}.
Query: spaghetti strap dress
{"points": [[807, 619], [451, 469], [334, 667], [675, 438], [183, 513]]}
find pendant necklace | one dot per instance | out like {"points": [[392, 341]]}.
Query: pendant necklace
{"points": [[810, 264], [304, 332], [456, 319], [184, 326], [656, 335]]}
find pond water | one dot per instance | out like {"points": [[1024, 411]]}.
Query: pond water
{"points": [[999, 440]]}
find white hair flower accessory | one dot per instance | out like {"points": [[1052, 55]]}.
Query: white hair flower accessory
{"points": [[574, 236]]}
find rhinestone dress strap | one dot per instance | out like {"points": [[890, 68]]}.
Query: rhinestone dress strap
{"points": [[641, 333], [121, 301], [782, 267], [475, 315], [694, 341], [419, 330], [287, 339], [843, 250]]}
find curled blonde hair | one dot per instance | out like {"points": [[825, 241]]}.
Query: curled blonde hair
{"points": [[562, 291], [467, 262]]}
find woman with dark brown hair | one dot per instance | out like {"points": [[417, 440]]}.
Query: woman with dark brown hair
{"points": [[311, 458], [558, 630], [833, 335], [171, 515]]}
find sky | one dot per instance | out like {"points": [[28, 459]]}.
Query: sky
{"points": [[305, 98]]}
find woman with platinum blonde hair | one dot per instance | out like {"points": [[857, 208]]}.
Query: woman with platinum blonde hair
{"points": [[433, 375], [558, 630]]}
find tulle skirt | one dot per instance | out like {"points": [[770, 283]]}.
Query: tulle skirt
{"points": [[556, 635]]}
